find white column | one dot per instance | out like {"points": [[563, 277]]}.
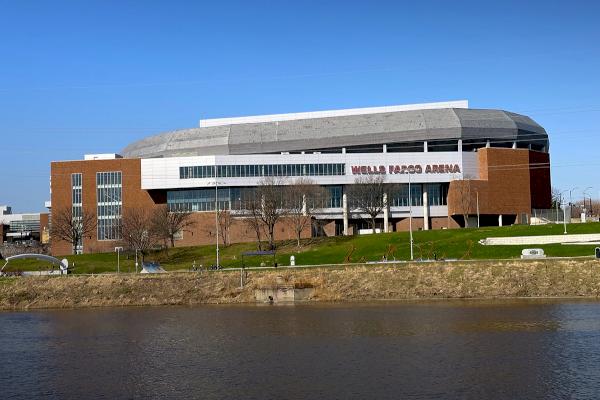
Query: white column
{"points": [[345, 213], [425, 147], [425, 210], [460, 146], [304, 209], [514, 146], [343, 150], [487, 144], [386, 213], [385, 148], [500, 220]]}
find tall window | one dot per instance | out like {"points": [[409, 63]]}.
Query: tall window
{"points": [[437, 194], [77, 204], [401, 197], [108, 191]]}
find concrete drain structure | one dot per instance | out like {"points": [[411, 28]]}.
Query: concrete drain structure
{"points": [[283, 292]]}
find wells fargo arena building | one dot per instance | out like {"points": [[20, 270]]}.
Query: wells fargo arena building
{"points": [[501, 157]]}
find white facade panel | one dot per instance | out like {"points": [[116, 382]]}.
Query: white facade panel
{"points": [[163, 173]]}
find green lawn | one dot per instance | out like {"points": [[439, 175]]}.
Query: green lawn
{"points": [[455, 243]]}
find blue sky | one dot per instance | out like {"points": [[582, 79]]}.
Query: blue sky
{"points": [[88, 77]]}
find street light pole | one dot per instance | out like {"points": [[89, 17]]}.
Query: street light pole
{"points": [[217, 216], [410, 219], [584, 196], [477, 192]]}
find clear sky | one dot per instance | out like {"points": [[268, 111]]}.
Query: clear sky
{"points": [[92, 76]]}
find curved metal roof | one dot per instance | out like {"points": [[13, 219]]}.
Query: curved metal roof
{"points": [[341, 131]]}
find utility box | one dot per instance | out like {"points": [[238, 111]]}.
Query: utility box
{"points": [[292, 261], [597, 253]]}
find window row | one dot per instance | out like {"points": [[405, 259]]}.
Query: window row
{"points": [[237, 198], [235, 171], [108, 178]]}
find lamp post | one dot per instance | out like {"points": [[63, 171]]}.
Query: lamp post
{"points": [[562, 205], [584, 197], [410, 219], [217, 218], [477, 193]]}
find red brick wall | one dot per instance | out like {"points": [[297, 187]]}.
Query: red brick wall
{"points": [[132, 194], [507, 184], [434, 223]]}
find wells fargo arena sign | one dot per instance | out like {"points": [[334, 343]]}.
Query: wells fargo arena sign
{"points": [[405, 169]]}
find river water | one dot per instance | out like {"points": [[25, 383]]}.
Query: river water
{"points": [[444, 349]]}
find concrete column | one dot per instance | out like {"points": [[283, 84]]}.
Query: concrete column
{"points": [[304, 209], [343, 150], [460, 146], [386, 213], [500, 220], [425, 210], [345, 213], [425, 147], [385, 148], [514, 146], [487, 144]]}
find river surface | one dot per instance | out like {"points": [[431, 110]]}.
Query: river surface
{"points": [[413, 350]]}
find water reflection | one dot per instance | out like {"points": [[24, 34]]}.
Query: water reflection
{"points": [[450, 349]]}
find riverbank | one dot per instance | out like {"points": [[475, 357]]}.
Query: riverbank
{"points": [[485, 279]]}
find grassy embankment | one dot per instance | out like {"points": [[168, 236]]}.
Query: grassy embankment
{"points": [[457, 244], [493, 279]]}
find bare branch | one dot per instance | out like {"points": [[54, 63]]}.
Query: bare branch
{"points": [[138, 230], [167, 224], [367, 197], [72, 226]]}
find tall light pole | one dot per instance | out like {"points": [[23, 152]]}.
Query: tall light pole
{"points": [[217, 215], [584, 196], [477, 193], [562, 205], [412, 257]]}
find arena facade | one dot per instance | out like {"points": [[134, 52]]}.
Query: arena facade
{"points": [[461, 163]]}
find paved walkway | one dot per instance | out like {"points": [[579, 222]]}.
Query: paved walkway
{"points": [[545, 239]]}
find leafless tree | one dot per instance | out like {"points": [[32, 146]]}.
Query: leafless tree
{"points": [[250, 213], [367, 196], [72, 226], [167, 224], [556, 196], [138, 233], [464, 194], [225, 219], [301, 200], [272, 206]]}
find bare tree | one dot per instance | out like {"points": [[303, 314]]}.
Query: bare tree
{"points": [[301, 200], [367, 197], [72, 225], [556, 196], [272, 208], [167, 224], [225, 219], [252, 211], [138, 233], [464, 194]]}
